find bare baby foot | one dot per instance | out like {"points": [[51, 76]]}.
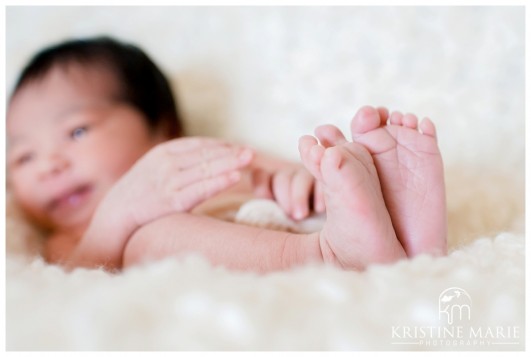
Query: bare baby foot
{"points": [[358, 229], [410, 169]]}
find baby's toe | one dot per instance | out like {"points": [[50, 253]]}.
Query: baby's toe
{"points": [[428, 128], [311, 153], [396, 118], [366, 119], [384, 115], [329, 135], [410, 120]]}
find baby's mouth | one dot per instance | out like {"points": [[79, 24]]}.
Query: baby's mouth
{"points": [[71, 199]]}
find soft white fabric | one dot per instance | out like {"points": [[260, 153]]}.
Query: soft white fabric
{"points": [[265, 76]]}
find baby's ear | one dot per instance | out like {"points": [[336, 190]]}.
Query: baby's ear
{"points": [[166, 131], [160, 135]]}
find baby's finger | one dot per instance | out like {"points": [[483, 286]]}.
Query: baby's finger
{"points": [[207, 153], [207, 169], [261, 180], [281, 184], [183, 145], [192, 195], [301, 189]]}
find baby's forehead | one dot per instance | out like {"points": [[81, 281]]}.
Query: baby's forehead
{"points": [[85, 79], [99, 74], [102, 77], [57, 91]]}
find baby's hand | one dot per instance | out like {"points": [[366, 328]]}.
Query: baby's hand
{"points": [[175, 176], [294, 188]]}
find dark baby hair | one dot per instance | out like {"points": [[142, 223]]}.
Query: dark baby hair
{"points": [[141, 82]]}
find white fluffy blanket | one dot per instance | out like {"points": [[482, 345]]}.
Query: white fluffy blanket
{"points": [[266, 76]]}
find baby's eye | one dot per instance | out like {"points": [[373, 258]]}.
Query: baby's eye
{"points": [[24, 159], [78, 132]]}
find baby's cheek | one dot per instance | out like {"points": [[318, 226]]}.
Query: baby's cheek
{"points": [[116, 164], [21, 192], [30, 208]]}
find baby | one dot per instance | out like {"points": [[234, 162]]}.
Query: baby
{"points": [[97, 159]]}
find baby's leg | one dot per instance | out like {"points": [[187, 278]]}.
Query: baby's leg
{"points": [[232, 245]]}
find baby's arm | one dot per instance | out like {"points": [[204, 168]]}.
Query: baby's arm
{"points": [[173, 177], [232, 245]]}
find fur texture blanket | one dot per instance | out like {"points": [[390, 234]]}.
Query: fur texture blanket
{"points": [[265, 76]]}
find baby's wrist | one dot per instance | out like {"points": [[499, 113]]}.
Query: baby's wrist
{"points": [[108, 232], [115, 215]]}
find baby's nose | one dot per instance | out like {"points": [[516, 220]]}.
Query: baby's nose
{"points": [[52, 164]]}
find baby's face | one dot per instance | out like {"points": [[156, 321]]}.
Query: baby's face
{"points": [[68, 143]]}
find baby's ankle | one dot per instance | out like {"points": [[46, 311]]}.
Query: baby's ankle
{"points": [[301, 249], [327, 254]]}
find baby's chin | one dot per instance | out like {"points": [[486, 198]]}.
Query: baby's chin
{"points": [[51, 227], [74, 226]]}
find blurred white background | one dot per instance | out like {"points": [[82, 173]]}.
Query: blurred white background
{"points": [[266, 75]]}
